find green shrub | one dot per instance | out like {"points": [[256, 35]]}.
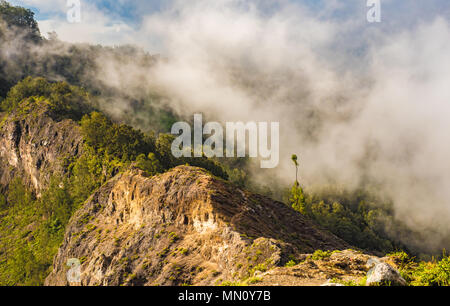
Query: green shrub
{"points": [[435, 273], [320, 255], [291, 263], [259, 267], [402, 259]]}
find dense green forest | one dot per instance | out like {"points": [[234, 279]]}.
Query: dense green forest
{"points": [[32, 228]]}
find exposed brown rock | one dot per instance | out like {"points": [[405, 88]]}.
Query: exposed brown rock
{"points": [[182, 227]]}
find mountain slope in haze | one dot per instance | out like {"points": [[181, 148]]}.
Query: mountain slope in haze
{"points": [[181, 227]]}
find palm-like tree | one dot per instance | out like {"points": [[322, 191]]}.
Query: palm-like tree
{"points": [[295, 160], [297, 198]]}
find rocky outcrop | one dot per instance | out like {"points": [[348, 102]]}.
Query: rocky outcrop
{"points": [[339, 268], [34, 147], [382, 273], [335, 269], [181, 227]]}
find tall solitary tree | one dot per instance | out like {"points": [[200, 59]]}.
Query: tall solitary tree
{"points": [[297, 198], [295, 160]]}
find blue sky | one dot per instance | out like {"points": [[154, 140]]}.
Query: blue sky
{"points": [[133, 10], [116, 21], [130, 11]]}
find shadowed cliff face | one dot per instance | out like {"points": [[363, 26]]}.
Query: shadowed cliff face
{"points": [[181, 227], [34, 146]]}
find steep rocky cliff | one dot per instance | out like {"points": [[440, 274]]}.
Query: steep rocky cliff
{"points": [[181, 227], [33, 146]]}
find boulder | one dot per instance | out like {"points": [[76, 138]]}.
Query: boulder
{"points": [[383, 274]]}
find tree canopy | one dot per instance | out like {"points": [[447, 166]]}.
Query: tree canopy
{"points": [[21, 19]]}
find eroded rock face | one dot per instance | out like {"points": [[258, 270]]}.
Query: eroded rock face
{"points": [[34, 147], [181, 227]]}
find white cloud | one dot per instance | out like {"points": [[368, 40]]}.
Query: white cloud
{"points": [[95, 27]]}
